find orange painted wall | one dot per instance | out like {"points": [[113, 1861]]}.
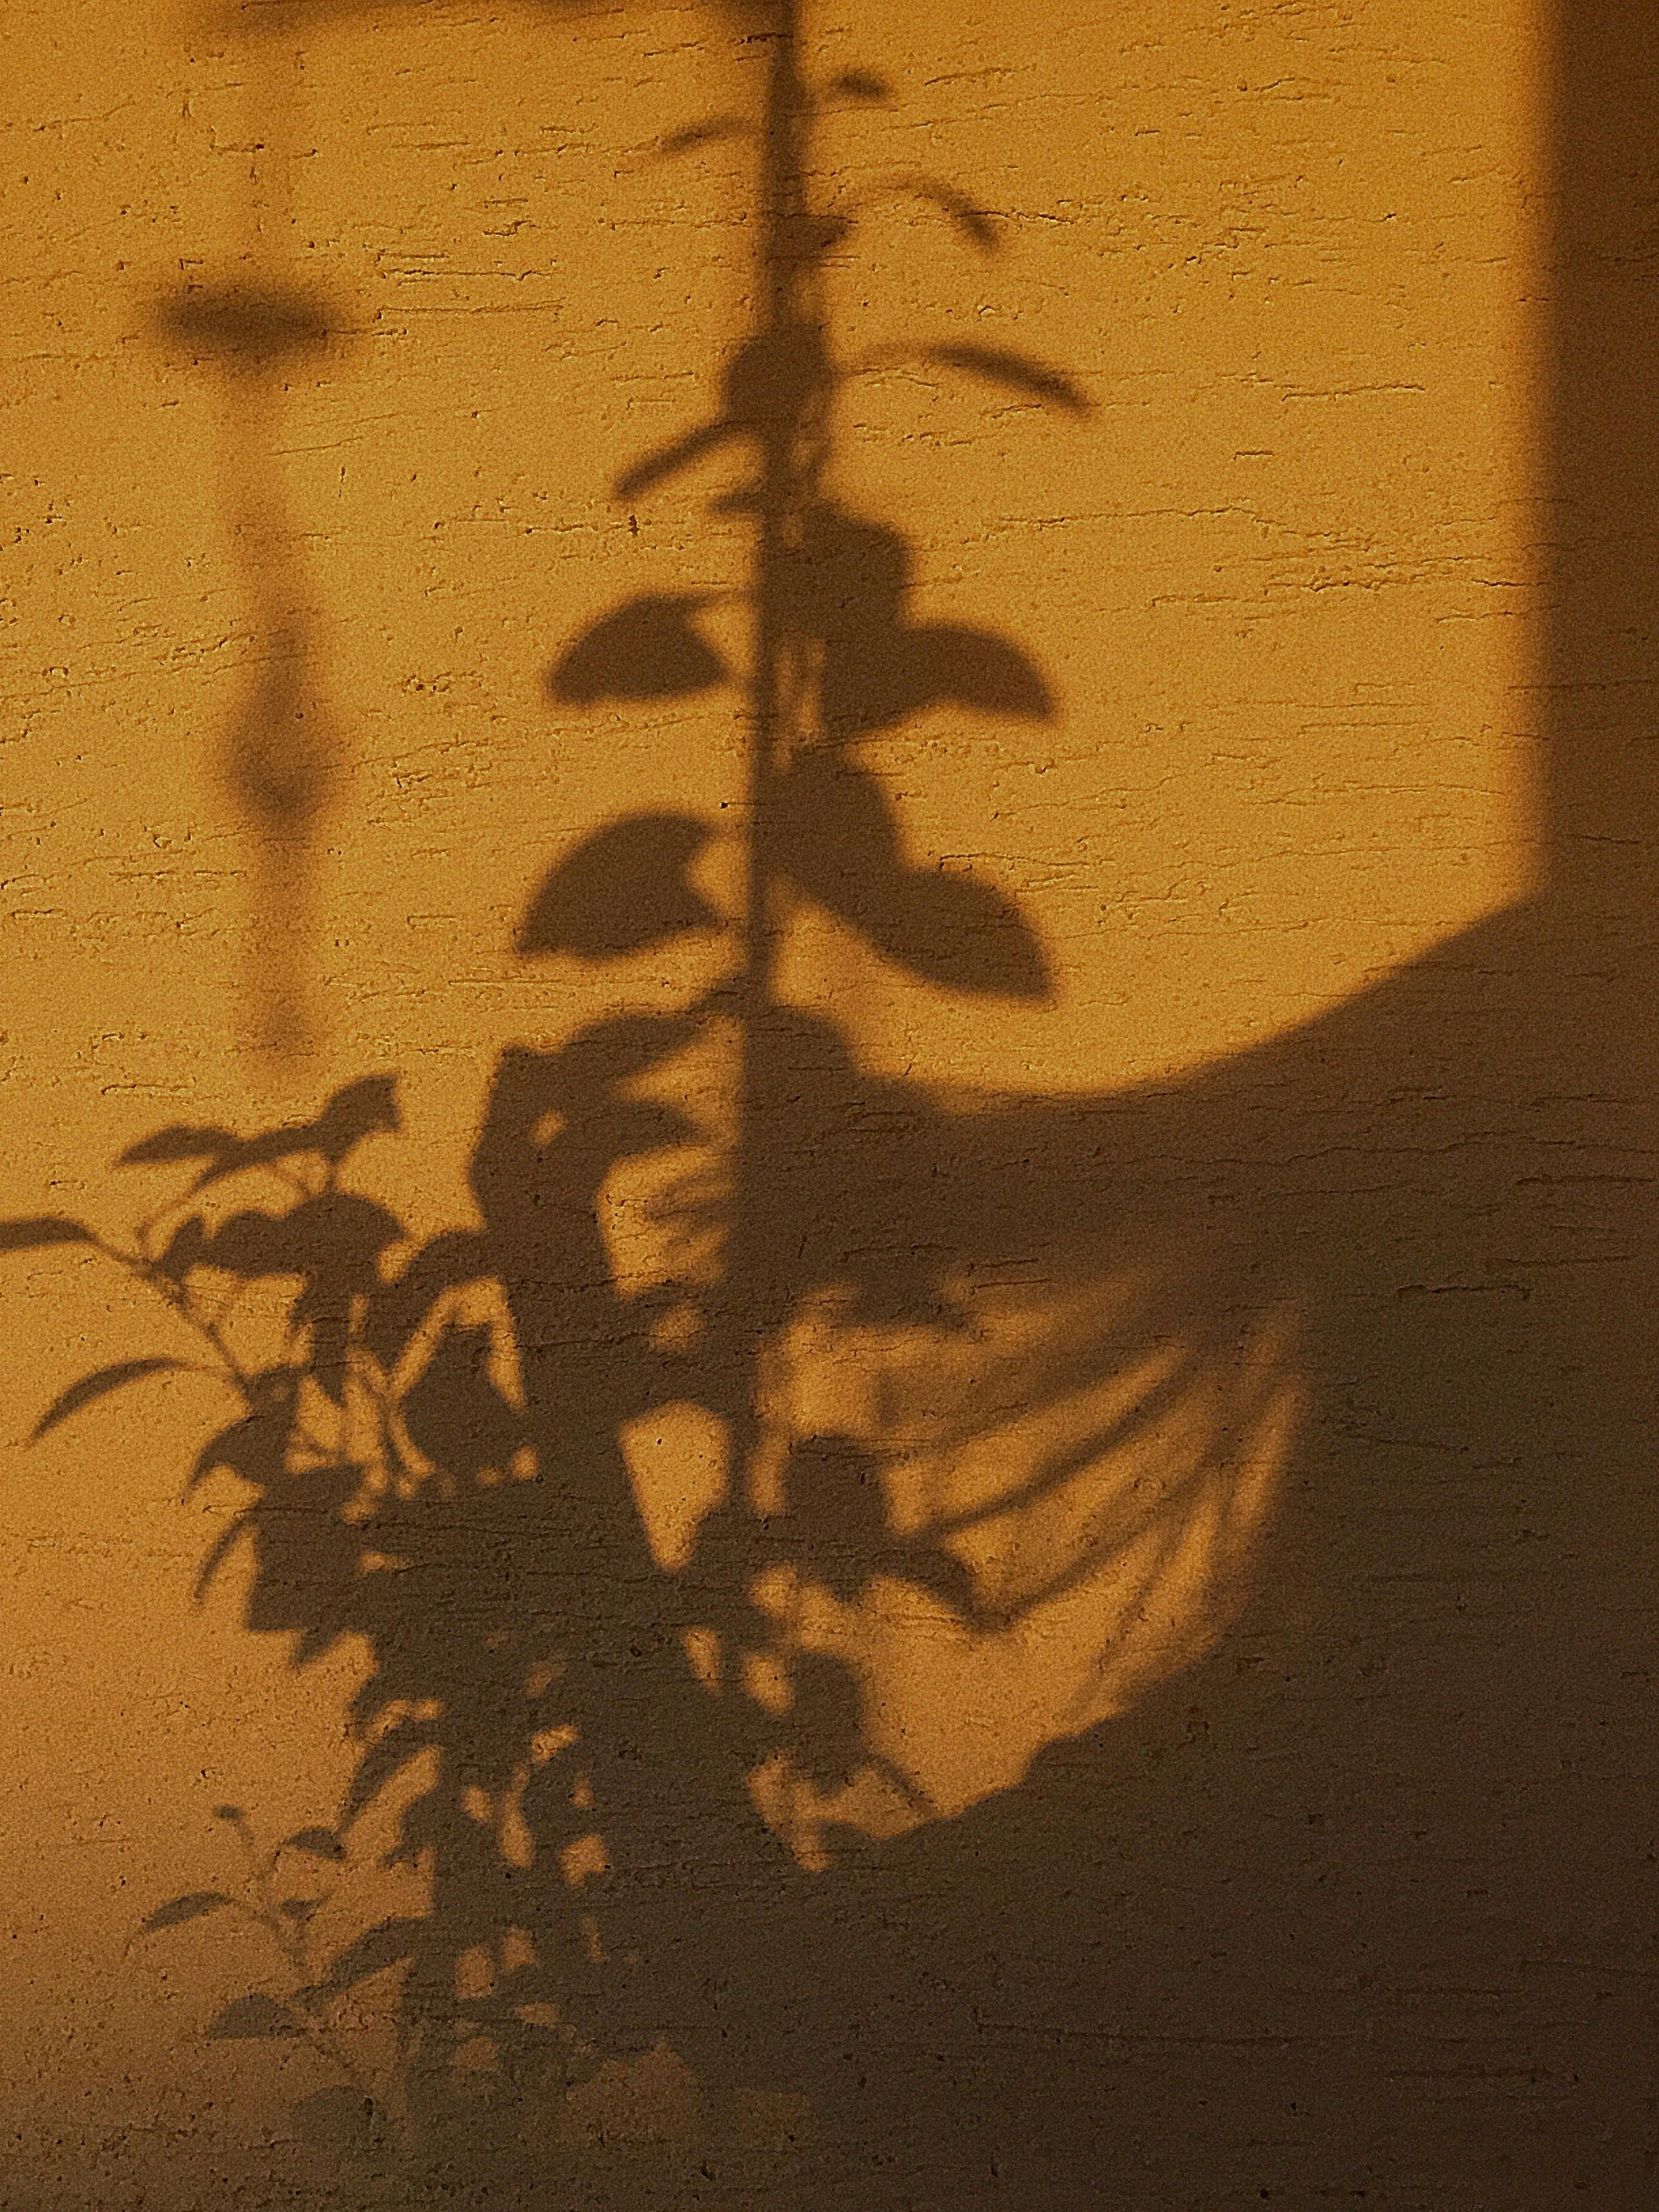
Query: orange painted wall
{"points": [[1296, 583]]}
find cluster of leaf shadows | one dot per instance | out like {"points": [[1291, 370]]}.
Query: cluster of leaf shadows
{"points": [[431, 1458], [430, 1464], [1358, 1905]]}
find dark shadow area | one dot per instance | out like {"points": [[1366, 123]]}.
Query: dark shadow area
{"points": [[1351, 1899], [1361, 1908]]}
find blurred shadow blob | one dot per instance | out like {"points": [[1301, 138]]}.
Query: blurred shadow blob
{"points": [[252, 329], [280, 761]]}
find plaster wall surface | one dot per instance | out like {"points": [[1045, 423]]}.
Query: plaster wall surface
{"points": [[1335, 1110]]}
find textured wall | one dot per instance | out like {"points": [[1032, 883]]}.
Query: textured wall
{"points": [[1298, 1202]]}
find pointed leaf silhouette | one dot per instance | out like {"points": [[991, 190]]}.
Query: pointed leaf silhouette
{"points": [[256, 2016], [516, 1168], [335, 1241], [941, 1574], [839, 839], [964, 935], [975, 668], [192, 1906], [397, 1309], [253, 1244], [223, 1546], [252, 1448], [668, 460], [875, 678], [187, 1248], [178, 1141], [388, 1943], [621, 889], [646, 649], [35, 1231], [835, 826], [367, 1107], [612, 1052], [387, 1758], [91, 1387], [867, 684], [850, 577], [311, 1642], [850, 583], [1034, 379]]}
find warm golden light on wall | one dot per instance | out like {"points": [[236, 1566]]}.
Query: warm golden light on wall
{"points": [[879, 656]]}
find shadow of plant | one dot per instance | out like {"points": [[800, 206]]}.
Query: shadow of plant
{"points": [[428, 1438], [1273, 1914]]}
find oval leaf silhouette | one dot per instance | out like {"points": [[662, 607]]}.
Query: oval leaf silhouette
{"points": [[1015, 372], [318, 1843], [621, 889], [35, 1231], [646, 649], [975, 668], [711, 133], [862, 84], [249, 328], [839, 838], [178, 1910]]}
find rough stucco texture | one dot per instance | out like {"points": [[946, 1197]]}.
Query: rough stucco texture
{"points": [[1282, 837]]}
